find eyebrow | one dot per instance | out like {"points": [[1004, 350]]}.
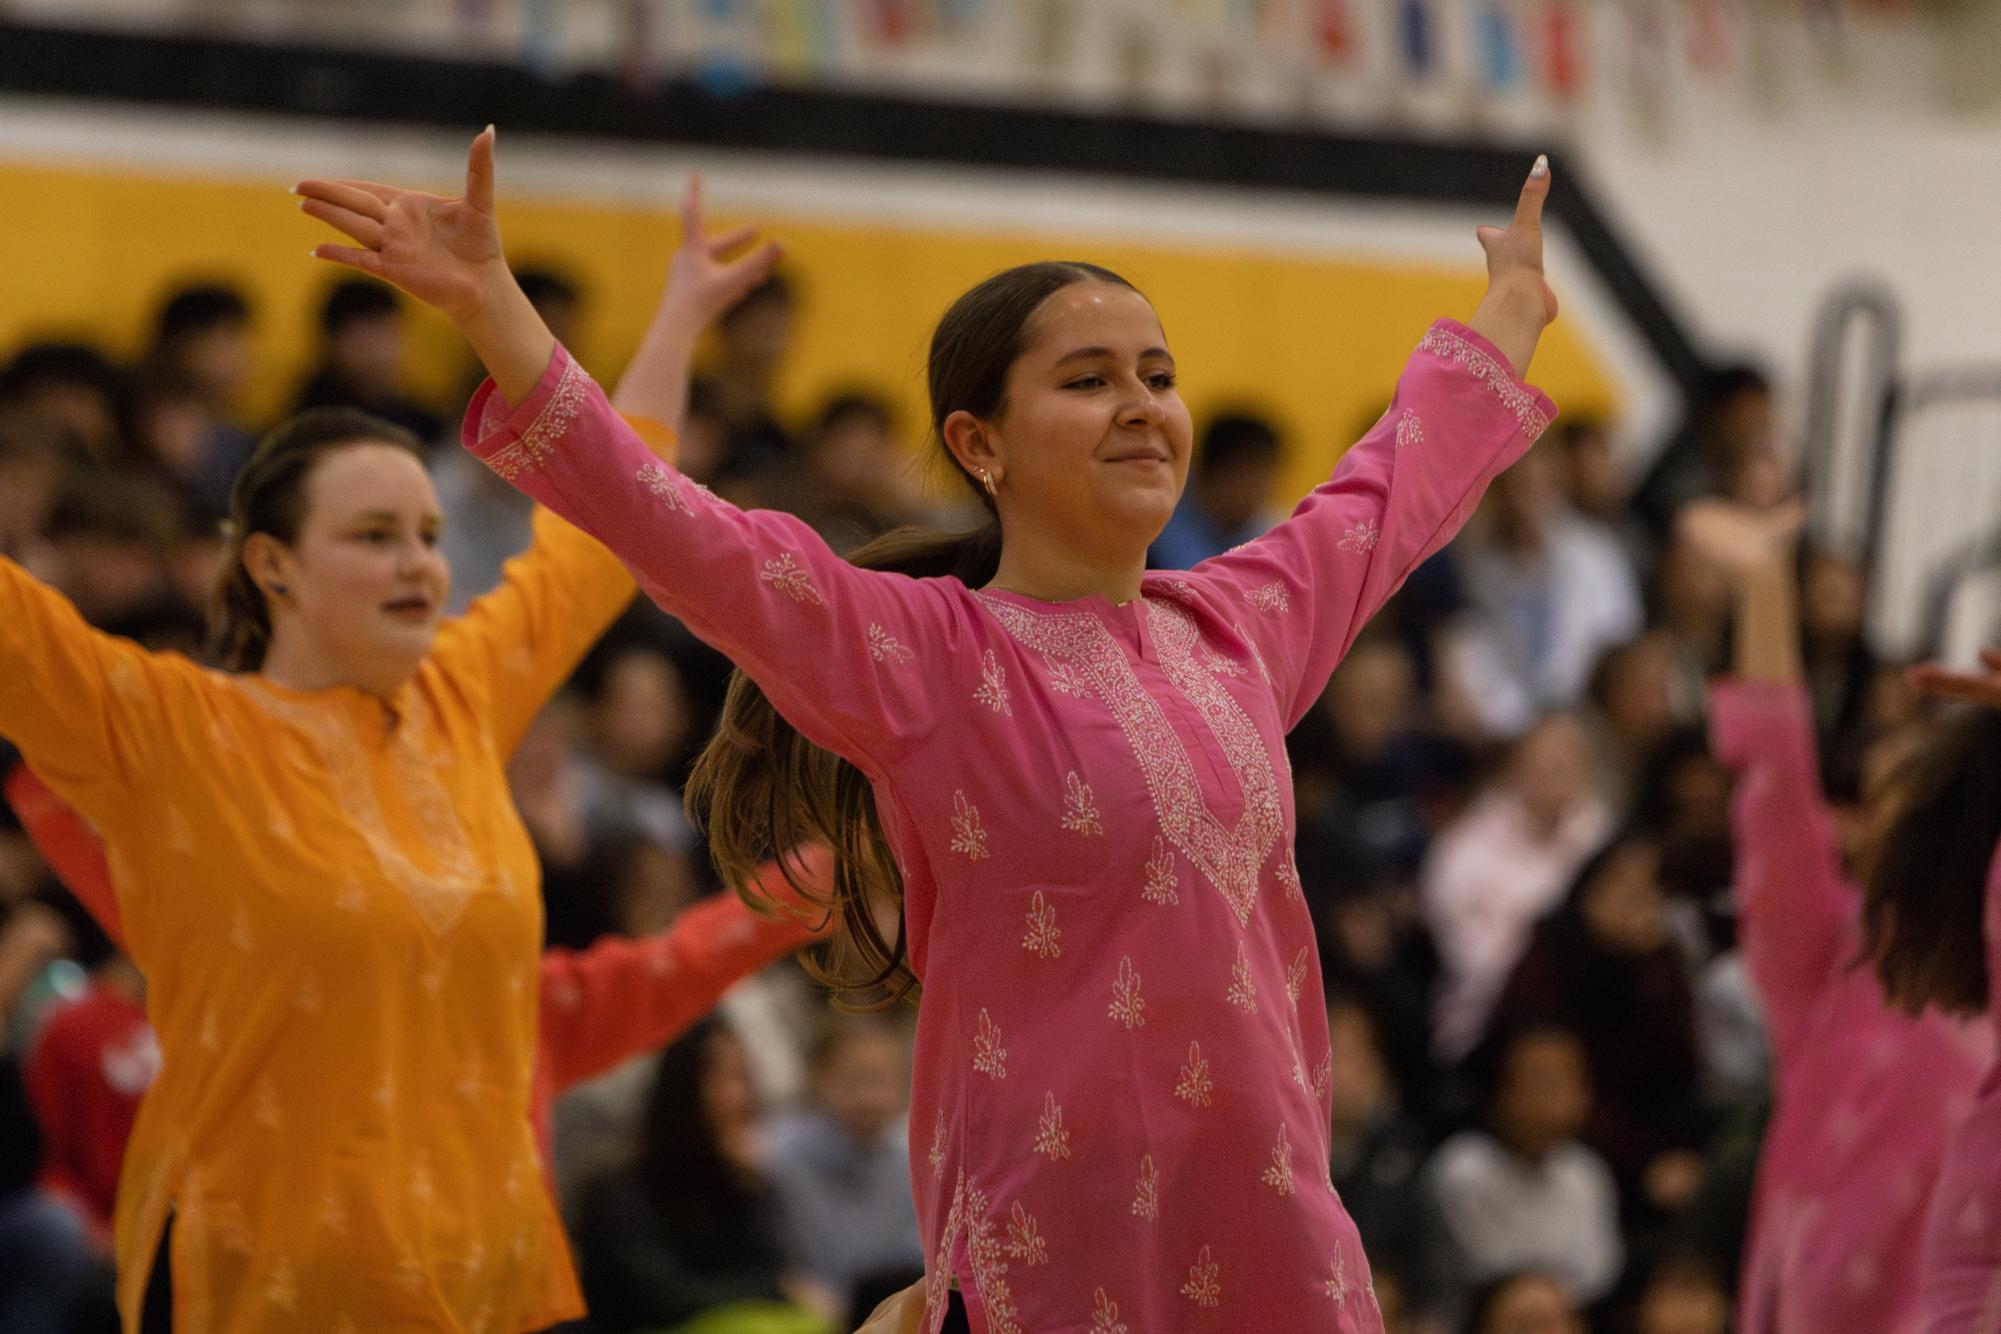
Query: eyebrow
{"points": [[1088, 353], [390, 516]]}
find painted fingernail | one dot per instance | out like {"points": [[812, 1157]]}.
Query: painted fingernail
{"points": [[291, 189], [1541, 168]]}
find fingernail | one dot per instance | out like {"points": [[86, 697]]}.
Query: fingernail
{"points": [[291, 189], [1541, 168], [490, 130]]}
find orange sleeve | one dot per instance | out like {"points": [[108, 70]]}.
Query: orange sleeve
{"points": [[69, 845], [516, 645], [621, 997]]}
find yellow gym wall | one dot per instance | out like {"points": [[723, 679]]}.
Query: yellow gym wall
{"points": [[1314, 339]]}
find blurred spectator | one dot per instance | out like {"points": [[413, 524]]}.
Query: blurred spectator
{"points": [[1377, 1149], [556, 298], [1730, 421], [108, 540], [753, 339], [841, 1165], [32, 472], [1606, 967], [1683, 1296], [72, 388], [173, 435], [691, 1225], [1840, 667], [361, 359], [853, 482], [1228, 498], [1503, 864], [197, 371], [1528, 1302], [1547, 592], [1691, 602], [1522, 1192], [1632, 703], [1593, 482], [636, 728]]}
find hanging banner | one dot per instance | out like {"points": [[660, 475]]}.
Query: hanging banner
{"points": [[1562, 49], [1499, 46], [1416, 37], [1333, 30], [638, 69]]}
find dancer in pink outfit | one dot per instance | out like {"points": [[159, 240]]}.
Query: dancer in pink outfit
{"points": [[1120, 1107], [1868, 1097], [1960, 1277]]}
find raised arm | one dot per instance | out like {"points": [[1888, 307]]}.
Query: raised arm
{"points": [[1796, 910], [69, 845], [1461, 415]]}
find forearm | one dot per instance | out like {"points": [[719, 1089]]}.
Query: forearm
{"points": [[509, 338], [1511, 318], [1767, 624], [655, 383]]}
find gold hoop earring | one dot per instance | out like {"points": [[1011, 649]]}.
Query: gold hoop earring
{"points": [[987, 480]]}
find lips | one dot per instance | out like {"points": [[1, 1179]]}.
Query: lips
{"points": [[412, 606]]}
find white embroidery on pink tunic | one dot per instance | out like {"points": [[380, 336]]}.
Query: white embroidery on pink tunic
{"points": [[1445, 343], [1146, 1192], [786, 575], [655, 478], [968, 835], [1128, 1007], [1024, 1241], [1295, 976], [989, 1056], [536, 444], [993, 685], [1203, 1287], [1043, 933], [1080, 807], [1270, 597], [1410, 430], [1279, 1175], [885, 647], [1051, 1139], [1362, 537], [1105, 1315], [1195, 1084], [1243, 991], [1161, 880]]}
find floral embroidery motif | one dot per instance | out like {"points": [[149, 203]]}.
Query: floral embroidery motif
{"points": [[1161, 880], [1080, 808], [1270, 597], [969, 1212], [1146, 1194], [309, 999], [1279, 1175], [1288, 876], [1195, 1085], [1323, 1077], [1337, 1286], [1128, 1007], [1051, 1138], [1451, 346], [283, 1289], [1219, 664], [939, 1138], [968, 835], [472, 1079], [989, 1057], [1243, 992], [264, 1109], [1410, 430], [1067, 680], [333, 1215], [993, 685], [1024, 1241], [538, 443], [1043, 933], [1230, 858], [1295, 976], [1105, 1315], [211, 1030], [786, 575], [1202, 1286], [1257, 658], [1362, 537], [350, 898], [883, 647], [655, 478], [239, 930]]}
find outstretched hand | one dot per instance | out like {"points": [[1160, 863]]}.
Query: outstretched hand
{"points": [[444, 252], [710, 274], [1982, 688], [1739, 539], [1519, 303]]}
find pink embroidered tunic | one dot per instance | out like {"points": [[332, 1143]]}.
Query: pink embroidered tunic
{"points": [[1867, 1097], [1120, 1096], [1960, 1274]]}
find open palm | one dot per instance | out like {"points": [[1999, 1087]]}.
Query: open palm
{"points": [[444, 252]]}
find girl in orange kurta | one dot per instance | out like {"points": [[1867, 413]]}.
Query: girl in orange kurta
{"points": [[321, 874]]}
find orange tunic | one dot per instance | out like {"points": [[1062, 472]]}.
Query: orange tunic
{"points": [[338, 914]]}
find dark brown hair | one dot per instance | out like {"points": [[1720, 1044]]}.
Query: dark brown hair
{"points": [[269, 496], [759, 788], [1922, 907]]}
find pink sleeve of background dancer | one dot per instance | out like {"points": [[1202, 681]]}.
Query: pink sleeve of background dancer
{"points": [[852, 658], [1302, 592], [621, 997], [1795, 907]]}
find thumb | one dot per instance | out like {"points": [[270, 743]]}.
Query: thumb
{"points": [[479, 171], [1492, 240]]}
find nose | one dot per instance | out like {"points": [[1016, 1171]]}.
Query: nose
{"points": [[1144, 409]]}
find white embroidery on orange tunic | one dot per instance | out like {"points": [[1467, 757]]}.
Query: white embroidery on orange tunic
{"points": [[1410, 429], [309, 999], [989, 1057], [1024, 1241], [264, 1108], [333, 1215], [1051, 1138], [282, 1290], [1453, 347], [1146, 1192], [1279, 1175], [884, 647], [472, 1079], [1295, 976], [1270, 597], [1203, 1286], [1161, 879], [968, 835], [786, 575], [1043, 933], [1080, 807], [1361, 538], [1243, 991], [239, 930], [1229, 858], [1128, 1007], [211, 1030], [655, 478], [538, 443], [992, 690], [1105, 1315], [1195, 1084]]}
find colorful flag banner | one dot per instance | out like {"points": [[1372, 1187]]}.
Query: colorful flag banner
{"points": [[1415, 35], [1333, 30], [1499, 45], [1563, 49]]}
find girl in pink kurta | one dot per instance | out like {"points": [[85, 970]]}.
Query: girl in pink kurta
{"points": [[1868, 1096], [1120, 1095]]}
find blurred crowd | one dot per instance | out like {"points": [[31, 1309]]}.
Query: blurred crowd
{"points": [[1549, 1080]]}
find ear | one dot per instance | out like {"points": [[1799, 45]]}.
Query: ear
{"points": [[269, 562], [972, 443]]}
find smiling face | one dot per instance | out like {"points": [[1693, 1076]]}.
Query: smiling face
{"points": [[363, 583], [1089, 448]]}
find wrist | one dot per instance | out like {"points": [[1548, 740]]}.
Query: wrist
{"points": [[497, 298]]}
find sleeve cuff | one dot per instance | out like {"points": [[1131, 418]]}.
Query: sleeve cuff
{"points": [[1455, 342], [510, 438]]}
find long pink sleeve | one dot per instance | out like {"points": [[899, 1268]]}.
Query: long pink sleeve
{"points": [[1302, 592], [759, 586], [1796, 908]]}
